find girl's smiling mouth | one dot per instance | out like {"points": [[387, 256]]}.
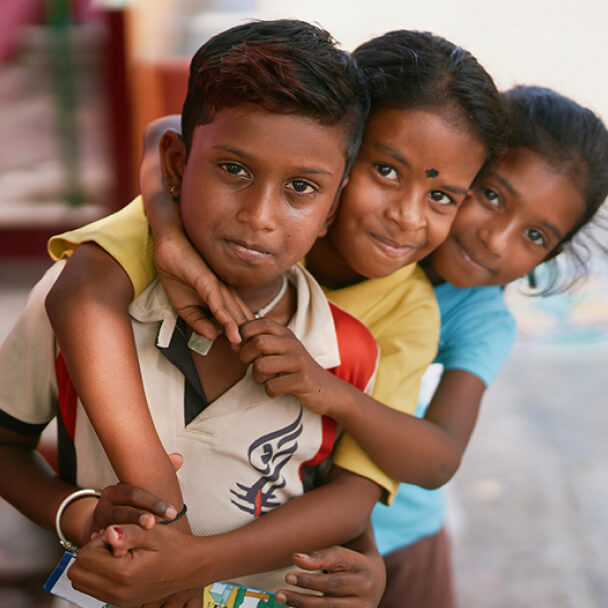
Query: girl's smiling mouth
{"points": [[470, 259], [390, 247]]}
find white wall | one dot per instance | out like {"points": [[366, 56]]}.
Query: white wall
{"points": [[563, 45]]}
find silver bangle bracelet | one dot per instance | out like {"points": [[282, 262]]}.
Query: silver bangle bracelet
{"points": [[68, 545]]}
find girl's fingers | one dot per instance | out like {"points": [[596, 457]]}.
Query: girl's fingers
{"points": [[123, 503], [124, 538], [340, 584], [177, 460], [123, 515], [332, 559], [246, 314], [234, 313], [201, 322], [253, 327], [304, 600], [123, 494], [113, 536]]}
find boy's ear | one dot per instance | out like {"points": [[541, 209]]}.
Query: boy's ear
{"points": [[172, 161], [333, 210]]}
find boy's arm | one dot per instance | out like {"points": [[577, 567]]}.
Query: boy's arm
{"points": [[163, 560], [88, 308], [31, 486]]}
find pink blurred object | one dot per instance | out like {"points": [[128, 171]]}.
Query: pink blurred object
{"points": [[13, 16]]}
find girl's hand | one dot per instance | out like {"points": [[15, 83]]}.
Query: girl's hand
{"points": [[350, 579], [196, 294], [282, 364], [126, 504]]}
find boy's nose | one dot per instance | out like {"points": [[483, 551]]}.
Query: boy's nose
{"points": [[258, 208]]}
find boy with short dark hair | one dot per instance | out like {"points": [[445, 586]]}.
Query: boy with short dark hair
{"points": [[271, 123]]}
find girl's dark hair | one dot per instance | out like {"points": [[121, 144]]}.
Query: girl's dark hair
{"points": [[408, 69], [285, 66], [572, 140]]}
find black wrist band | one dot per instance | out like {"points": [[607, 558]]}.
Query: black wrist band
{"points": [[164, 522]]}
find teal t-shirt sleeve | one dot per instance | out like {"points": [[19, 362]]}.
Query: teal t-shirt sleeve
{"points": [[477, 330]]}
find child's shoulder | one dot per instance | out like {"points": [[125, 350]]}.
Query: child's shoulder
{"points": [[471, 301], [337, 335], [359, 351]]}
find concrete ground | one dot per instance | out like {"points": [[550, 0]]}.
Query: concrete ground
{"points": [[531, 498], [530, 502], [528, 507]]}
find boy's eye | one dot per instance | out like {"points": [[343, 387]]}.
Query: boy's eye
{"points": [[538, 238], [441, 198], [301, 186], [386, 171], [234, 169]]}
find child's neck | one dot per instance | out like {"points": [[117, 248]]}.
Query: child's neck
{"points": [[275, 301], [326, 264], [221, 368], [432, 275]]}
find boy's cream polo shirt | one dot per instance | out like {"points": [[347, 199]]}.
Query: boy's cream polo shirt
{"points": [[244, 453]]}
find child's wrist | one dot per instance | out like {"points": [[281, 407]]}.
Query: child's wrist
{"points": [[202, 562], [331, 402], [77, 519]]}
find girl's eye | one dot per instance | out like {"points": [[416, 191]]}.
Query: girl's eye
{"points": [[386, 171], [491, 196], [301, 186], [234, 169], [441, 198], [536, 237]]}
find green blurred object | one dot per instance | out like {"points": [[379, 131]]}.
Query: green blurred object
{"points": [[62, 66]]}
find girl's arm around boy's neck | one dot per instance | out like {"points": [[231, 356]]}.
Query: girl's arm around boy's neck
{"points": [[190, 284]]}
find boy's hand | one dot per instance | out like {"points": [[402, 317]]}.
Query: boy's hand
{"points": [[350, 579], [196, 294], [282, 364], [142, 566]]}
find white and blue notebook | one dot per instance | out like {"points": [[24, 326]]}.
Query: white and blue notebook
{"points": [[60, 585]]}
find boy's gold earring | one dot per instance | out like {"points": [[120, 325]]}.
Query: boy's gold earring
{"points": [[174, 191]]}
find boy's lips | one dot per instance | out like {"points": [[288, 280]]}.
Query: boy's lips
{"points": [[390, 247], [248, 252]]}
